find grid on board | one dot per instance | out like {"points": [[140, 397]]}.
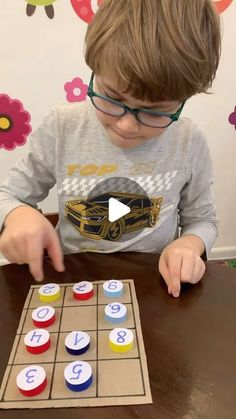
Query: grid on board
{"points": [[87, 316]]}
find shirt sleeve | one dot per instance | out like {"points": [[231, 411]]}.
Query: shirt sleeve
{"points": [[30, 180], [197, 212]]}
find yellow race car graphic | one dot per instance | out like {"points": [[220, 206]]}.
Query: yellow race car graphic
{"points": [[90, 217]]}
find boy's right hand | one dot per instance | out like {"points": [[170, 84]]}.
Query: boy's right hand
{"points": [[26, 235]]}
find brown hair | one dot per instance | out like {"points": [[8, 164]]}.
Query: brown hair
{"points": [[155, 49]]}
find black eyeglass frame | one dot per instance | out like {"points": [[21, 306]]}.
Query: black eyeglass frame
{"points": [[134, 111]]}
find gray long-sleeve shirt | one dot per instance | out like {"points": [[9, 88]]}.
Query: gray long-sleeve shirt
{"points": [[71, 149]]}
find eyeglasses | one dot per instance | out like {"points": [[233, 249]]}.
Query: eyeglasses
{"points": [[146, 117]]}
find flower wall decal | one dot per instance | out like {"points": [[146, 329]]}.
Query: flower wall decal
{"points": [[232, 118], [85, 9], [14, 123], [76, 90], [222, 5]]}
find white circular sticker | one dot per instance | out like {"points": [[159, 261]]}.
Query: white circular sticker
{"points": [[77, 340], [77, 372], [30, 377], [121, 336], [83, 287], [43, 313], [113, 285], [36, 337], [49, 289], [115, 310]]}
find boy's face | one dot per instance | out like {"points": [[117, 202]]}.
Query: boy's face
{"points": [[125, 131]]}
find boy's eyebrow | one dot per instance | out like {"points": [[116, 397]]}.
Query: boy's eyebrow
{"points": [[109, 88], [156, 105]]}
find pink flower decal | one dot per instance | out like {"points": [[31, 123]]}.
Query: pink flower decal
{"points": [[222, 5], [76, 90], [14, 123], [85, 9], [232, 118]]}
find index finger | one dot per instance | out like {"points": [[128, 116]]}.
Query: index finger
{"points": [[174, 265], [35, 260], [55, 252]]}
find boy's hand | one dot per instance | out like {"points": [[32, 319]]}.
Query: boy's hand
{"points": [[27, 233], [180, 262]]}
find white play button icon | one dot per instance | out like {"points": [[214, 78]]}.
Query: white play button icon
{"points": [[116, 209]]}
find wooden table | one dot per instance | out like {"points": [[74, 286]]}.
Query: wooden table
{"points": [[190, 342]]}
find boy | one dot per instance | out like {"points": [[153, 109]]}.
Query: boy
{"points": [[148, 57]]}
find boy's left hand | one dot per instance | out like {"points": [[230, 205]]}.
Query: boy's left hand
{"points": [[180, 262]]}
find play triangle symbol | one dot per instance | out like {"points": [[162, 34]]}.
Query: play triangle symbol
{"points": [[116, 210]]}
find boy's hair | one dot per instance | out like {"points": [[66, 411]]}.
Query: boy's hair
{"points": [[155, 49]]}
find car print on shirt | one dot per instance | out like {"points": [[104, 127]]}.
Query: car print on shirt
{"points": [[90, 217]]}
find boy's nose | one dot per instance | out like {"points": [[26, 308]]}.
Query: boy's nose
{"points": [[128, 123]]}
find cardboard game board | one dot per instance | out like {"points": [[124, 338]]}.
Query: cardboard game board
{"points": [[118, 378]]}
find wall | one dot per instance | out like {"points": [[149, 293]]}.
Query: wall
{"points": [[39, 55]]}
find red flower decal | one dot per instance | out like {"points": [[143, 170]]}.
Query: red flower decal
{"points": [[85, 9], [76, 90], [232, 118], [222, 5], [14, 123]]}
